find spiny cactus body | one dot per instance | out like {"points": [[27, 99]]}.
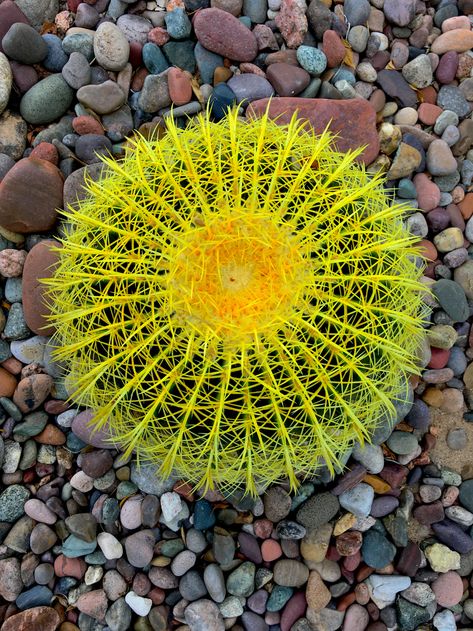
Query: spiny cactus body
{"points": [[239, 301]]}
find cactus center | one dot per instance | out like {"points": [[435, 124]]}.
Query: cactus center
{"points": [[238, 276]]}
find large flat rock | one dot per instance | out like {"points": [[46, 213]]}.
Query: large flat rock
{"points": [[353, 120]]}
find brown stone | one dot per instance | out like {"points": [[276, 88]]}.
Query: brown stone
{"points": [[37, 618], [288, 56], [7, 383], [32, 391], [333, 48], [180, 89], [353, 120], [224, 34], [39, 264], [30, 194], [11, 583], [316, 593], [51, 435], [287, 80]]}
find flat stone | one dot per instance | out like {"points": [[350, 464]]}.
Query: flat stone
{"points": [[318, 510], [376, 550], [103, 98], [12, 502], [353, 120], [394, 85]]}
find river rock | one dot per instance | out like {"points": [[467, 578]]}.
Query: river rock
{"points": [[39, 264], [36, 211], [353, 120], [46, 101], [111, 47], [5, 82], [222, 33]]}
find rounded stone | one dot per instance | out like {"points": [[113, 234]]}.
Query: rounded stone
{"points": [[37, 211], [6, 79], [111, 47], [24, 44], [47, 100], [312, 59], [39, 263], [222, 33]]}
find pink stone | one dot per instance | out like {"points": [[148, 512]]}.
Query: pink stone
{"points": [[12, 262], [428, 193], [354, 120], [94, 604], [292, 22], [46, 151], [458, 21], [37, 510], [84, 429], [270, 550], [158, 36], [448, 589], [356, 618], [222, 33], [130, 514]]}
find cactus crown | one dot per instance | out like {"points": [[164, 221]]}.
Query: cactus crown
{"points": [[238, 300]]}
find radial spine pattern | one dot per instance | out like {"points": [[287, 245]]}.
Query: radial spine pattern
{"points": [[238, 300]]}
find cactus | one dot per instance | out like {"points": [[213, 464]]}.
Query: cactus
{"points": [[238, 300]]}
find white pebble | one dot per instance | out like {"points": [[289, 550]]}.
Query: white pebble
{"points": [[141, 606], [110, 546], [171, 505]]}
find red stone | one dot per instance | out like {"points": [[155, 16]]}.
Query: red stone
{"points": [[439, 358], [354, 120], [87, 125], [180, 88], [224, 34], [65, 566], [46, 151], [333, 48], [158, 36], [39, 264], [135, 57]]}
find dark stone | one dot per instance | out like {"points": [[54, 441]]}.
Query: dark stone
{"points": [[394, 85], [452, 535]]}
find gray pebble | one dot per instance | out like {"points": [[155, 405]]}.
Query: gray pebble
{"points": [[76, 71]]}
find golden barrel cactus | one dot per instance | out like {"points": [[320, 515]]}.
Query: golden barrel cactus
{"points": [[238, 300]]}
